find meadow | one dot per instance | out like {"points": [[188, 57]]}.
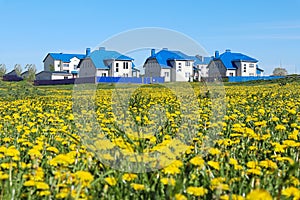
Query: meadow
{"points": [[248, 148]]}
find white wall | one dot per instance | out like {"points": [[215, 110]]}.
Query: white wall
{"points": [[57, 65], [183, 71], [61, 76], [135, 73], [127, 72], [167, 74], [73, 64], [101, 72], [229, 71], [250, 69], [203, 70]]}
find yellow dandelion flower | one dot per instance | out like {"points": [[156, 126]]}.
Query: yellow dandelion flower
{"points": [[3, 176], [29, 183], [53, 149], [259, 195], [129, 177], [137, 187], [197, 161], [171, 170], [214, 164], [41, 185], [180, 197], [255, 171], [111, 181], [44, 193], [280, 127], [168, 181], [233, 161], [291, 192], [196, 191]]}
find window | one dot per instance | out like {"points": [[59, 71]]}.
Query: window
{"points": [[117, 67], [230, 74], [251, 65], [251, 74], [245, 65], [245, 69], [187, 63], [75, 66], [187, 74], [126, 65], [179, 67], [66, 65], [65, 77], [167, 74], [103, 74]]}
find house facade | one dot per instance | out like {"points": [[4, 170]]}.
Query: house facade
{"points": [[106, 63], [64, 62], [12, 76], [172, 65], [200, 66], [233, 64], [53, 75]]}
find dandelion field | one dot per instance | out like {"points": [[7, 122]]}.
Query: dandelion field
{"points": [[247, 149]]}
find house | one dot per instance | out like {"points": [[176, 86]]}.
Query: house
{"points": [[55, 75], [233, 64], [172, 65], [12, 76], [259, 71], [64, 62], [200, 66], [135, 72], [107, 63], [25, 74]]}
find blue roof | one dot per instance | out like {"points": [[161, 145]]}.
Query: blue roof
{"points": [[164, 57], [74, 72], [65, 57], [204, 61], [229, 58], [259, 69], [100, 56]]}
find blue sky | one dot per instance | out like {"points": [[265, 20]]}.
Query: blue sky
{"points": [[266, 30]]}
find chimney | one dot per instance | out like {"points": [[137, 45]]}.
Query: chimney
{"points": [[88, 52], [199, 57], [217, 54], [152, 52], [101, 48]]}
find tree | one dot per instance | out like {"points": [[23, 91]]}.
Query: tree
{"points": [[31, 72], [2, 70], [280, 72], [51, 68], [18, 69]]}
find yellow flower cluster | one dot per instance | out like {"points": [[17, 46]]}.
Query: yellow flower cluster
{"points": [[245, 148]]}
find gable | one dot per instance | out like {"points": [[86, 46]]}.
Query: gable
{"points": [[103, 58], [165, 57], [64, 57], [229, 59]]}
